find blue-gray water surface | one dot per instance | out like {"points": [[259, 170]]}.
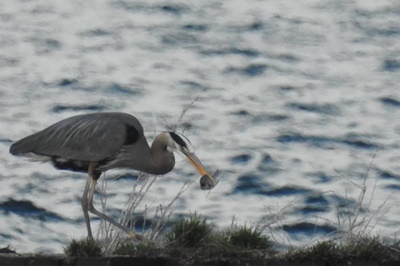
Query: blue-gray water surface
{"points": [[296, 102]]}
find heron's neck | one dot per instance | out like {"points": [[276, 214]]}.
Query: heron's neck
{"points": [[163, 160]]}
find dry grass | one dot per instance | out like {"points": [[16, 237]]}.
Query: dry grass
{"points": [[112, 237], [357, 222]]}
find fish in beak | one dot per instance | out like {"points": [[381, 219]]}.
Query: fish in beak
{"points": [[207, 180]]}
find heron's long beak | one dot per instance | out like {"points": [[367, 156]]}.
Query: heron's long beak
{"points": [[192, 158]]}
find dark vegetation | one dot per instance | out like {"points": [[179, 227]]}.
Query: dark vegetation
{"points": [[365, 249], [193, 240]]}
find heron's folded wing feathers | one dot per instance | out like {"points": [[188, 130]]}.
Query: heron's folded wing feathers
{"points": [[90, 137]]}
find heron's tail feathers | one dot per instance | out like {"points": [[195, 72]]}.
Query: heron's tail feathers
{"points": [[23, 146]]}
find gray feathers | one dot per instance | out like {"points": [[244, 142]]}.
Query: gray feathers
{"points": [[89, 137]]}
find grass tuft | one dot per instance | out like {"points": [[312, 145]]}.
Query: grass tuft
{"points": [[193, 239], [83, 248], [190, 233], [325, 251], [250, 238]]}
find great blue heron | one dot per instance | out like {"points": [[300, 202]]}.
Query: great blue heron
{"points": [[97, 142]]}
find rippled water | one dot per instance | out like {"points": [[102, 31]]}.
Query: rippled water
{"points": [[295, 102]]}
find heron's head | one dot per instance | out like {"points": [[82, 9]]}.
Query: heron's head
{"points": [[182, 145]]}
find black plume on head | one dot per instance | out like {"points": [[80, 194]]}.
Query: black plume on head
{"points": [[178, 139]]}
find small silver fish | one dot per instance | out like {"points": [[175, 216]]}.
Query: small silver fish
{"points": [[208, 182]]}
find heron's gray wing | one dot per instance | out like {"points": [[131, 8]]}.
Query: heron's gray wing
{"points": [[90, 137]]}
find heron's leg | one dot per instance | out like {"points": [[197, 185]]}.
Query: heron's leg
{"points": [[84, 203], [92, 209]]}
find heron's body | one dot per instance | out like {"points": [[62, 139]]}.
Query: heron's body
{"points": [[104, 138], [98, 142]]}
